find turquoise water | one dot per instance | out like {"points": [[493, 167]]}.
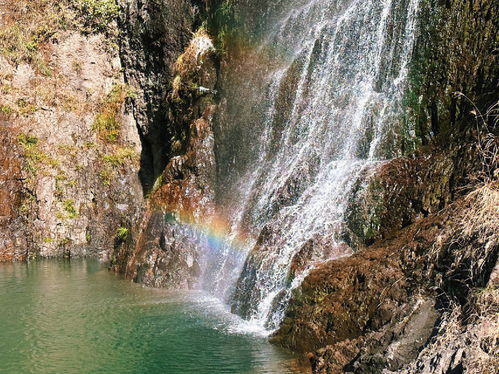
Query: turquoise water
{"points": [[76, 317]]}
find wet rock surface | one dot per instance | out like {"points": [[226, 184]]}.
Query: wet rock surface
{"points": [[407, 189], [378, 309]]}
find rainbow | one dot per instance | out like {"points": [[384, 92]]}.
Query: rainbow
{"points": [[216, 229]]}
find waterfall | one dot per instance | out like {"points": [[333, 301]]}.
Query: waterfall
{"points": [[311, 106]]}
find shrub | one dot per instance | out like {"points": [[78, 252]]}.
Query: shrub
{"points": [[97, 15]]}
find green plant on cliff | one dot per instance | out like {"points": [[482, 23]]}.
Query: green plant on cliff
{"points": [[96, 15], [34, 22], [22, 37], [122, 234], [106, 176], [32, 154], [120, 157], [107, 123], [224, 23], [107, 126], [70, 208]]}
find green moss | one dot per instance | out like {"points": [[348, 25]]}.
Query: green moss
{"points": [[6, 109], [367, 209], [27, 141], [107, 126], [20, 42], [32, 154], [48, 240], [69, 207], [453, 53], [24, 107], [106, 176], [122, 234], [225, 24], [120, 157], [107, 123], [72, 183]]}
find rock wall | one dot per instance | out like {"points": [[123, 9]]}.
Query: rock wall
{"points": [[377, 309], [172, 62], [72, 150], [417, 298], [153, 35], [454, 74], [13, 235]]}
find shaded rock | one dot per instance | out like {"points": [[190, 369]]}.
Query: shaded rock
{"points": [[154, 35], [166, 251], [13, 234]]}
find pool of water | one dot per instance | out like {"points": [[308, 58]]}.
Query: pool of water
{"points": [[76, 317]]}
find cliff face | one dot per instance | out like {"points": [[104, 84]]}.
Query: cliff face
{"points": [[153, 35], [378, 308], [70, 151], [454, 72], [417, 298], [89, 127], [171, 60], [87, 131], [13, 235]]}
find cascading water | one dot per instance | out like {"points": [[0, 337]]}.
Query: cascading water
{"points": [[316, 103]]}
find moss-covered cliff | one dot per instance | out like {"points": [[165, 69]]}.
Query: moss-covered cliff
{"points": [[70, 151]]}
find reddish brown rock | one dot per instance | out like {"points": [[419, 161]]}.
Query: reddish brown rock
{"points": [[376, 309], [13, 236]]}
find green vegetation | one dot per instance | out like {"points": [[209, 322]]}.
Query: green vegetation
{"points": [[224, 23], [6, 110], [107, 126], [25, 107], [96, 15], [106, 176], [48, 240], [27, 141], [21, 45], [32, 154], [107, 123], [122, 234], [22, 37], [69, 207], [120, 157]]}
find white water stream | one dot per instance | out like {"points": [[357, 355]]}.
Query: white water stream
{"points": [[330, 109]]}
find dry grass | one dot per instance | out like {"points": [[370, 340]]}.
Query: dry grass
{"points": [[30, 24], [107, 123], [482, 217], [189, 62], [478, 228], [474, 345]]}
